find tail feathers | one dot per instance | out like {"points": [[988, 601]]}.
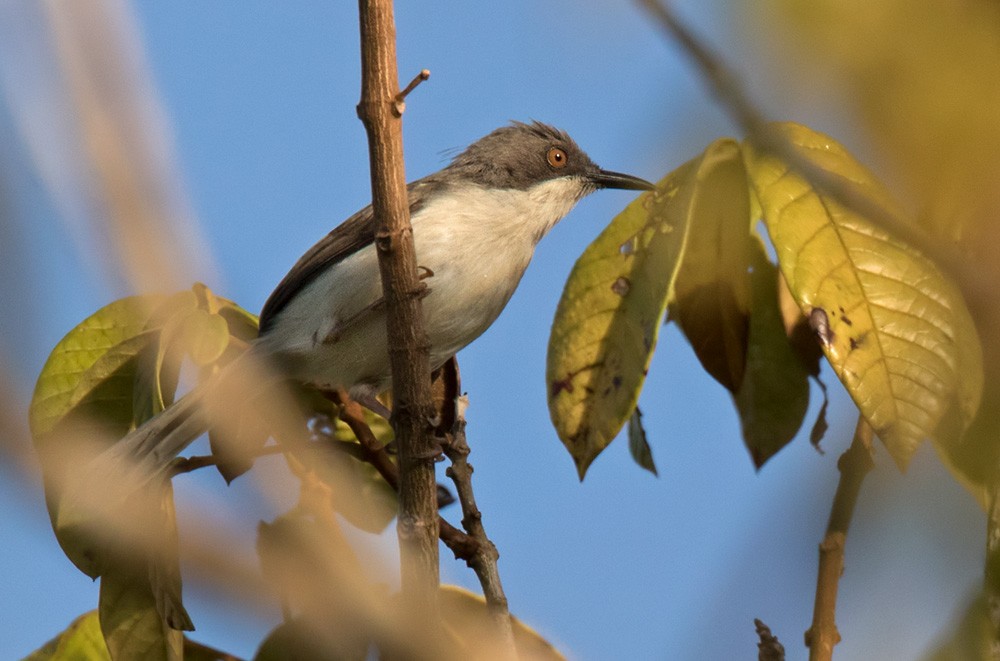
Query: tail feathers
{"points": [[156, 443]]}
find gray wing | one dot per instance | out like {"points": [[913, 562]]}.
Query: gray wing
{"points": [[354, 234]]}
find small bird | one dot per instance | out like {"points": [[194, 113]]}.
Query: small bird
{"points": [[476, 223]]}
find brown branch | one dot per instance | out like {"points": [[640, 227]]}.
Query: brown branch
{"points": [[372, 451], [484, 560], [725, 84], [854, 464], [769, 648], [408, 344]]}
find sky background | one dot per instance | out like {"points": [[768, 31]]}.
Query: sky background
{"points": [[259, 102]]}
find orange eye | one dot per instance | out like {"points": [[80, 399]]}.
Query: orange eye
{"points": [[556, 157]]}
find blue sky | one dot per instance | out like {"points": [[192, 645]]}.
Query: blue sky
{"points": [[260, 101]]}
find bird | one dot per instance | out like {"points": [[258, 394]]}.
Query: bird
{"points": [[475, 223]]}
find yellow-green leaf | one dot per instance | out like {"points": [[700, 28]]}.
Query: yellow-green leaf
{"points": [[81, 641], [205, 337], [711, 301], [895, 330], [70, 363], [774, 394], [132, 627], [609, 316]]}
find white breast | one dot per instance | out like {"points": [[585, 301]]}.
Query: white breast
{"points": [[474, 243]]}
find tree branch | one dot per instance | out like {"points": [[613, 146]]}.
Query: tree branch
{"points": [[408, 346], [484, 555], [854, 465]]}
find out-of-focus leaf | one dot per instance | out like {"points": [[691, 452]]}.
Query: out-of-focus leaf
{"points": [[470, 624], [711, 301], [895, 330], [81, 641], [929, 111], [638, 445], [205, 336], [164, 565], [970, 637], [132, 627], [608, 320], [295, 640], [774, 395], [157, 371]]}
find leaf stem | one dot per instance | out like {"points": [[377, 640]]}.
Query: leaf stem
{"points": [[854, 465]]}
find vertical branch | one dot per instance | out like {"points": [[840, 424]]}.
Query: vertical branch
{"points": [[379, 110], [854, 464]]}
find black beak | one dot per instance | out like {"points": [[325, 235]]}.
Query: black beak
{"points": [[608, 179]]}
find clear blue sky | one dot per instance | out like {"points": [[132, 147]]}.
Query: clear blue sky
{"points": [[260, 97]]}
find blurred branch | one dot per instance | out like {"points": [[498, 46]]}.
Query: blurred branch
{"points": [[854, 465], [408, 344], [124, 157], [728, 89]]}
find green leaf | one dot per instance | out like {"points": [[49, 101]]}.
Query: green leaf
{"points": [[774, 395], [711, 302], [81, 641], [132, 627], [638, 446], [75, 367], [895, 330], [609, 316]]}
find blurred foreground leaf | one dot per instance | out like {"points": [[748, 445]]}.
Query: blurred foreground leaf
{"points": [[468, 619], [970, 637], [895, 330]]}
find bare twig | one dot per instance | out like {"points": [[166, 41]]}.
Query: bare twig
{"points": [[769, 648], [399, 106], [372, 451], [483, 560], [407, 341], [727, 88], [854, 464]]}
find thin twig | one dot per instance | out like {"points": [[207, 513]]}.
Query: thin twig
{"points": [[769, 648], [372, 451], [408, 345], [484, 561], [854, 464], [726, 86], [399, 105]]}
